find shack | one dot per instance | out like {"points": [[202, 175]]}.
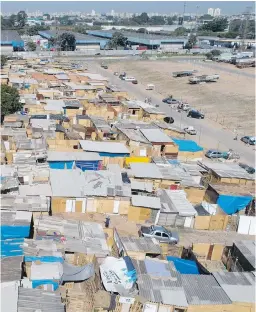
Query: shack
{"points": [[231, 198], [136, 247], [111, 152], [170, 129], [163, 145], [175, 210], [189, 150], [144, 208], [70, 160], [89, 191], [230, 173]]}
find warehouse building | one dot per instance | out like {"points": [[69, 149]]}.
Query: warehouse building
{"points": [[11, 41], [83, 42], [149, 40]]}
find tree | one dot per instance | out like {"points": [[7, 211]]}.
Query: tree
{"points": [[3, 60], [21, 19], [170, 20], [33, 30], [118, 39], [67, 41], [191, 42], [180, 31], [206, 17], [9, 100], [157, 20], [48, 17], [31, 46], [212, 54], [217, 24]]}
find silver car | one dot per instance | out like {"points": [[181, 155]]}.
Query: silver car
{"points": [[160, 233]]}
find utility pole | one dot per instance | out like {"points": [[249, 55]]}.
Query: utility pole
{"points": [[184, 10], [244, 27]]}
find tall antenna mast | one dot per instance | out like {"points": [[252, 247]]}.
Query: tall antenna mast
{"points": [[184, 10], [247, 14]]}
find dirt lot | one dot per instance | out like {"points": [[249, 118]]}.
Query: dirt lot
{"points": [[230, 101]]}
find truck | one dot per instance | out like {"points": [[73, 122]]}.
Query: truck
{"points": [[204, 78], [184, 73]]}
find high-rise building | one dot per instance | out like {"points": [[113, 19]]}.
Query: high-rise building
{"points": [[210, 11], [93, 13], [112, 13], [217, 12]]}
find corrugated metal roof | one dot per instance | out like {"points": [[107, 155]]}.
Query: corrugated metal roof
{"points": [[239, 286], [141, 244], [134, 135], [31, 300], [164, 125], [156, 136], [11, 268], [227, 170], [16, 217], [69, 156], [145, 170], [142, 186], [24, 203], [203, 290], [36, 190], [104, 147], [9, 296], [178, 202], [146, 201]]}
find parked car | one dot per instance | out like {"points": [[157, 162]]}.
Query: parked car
{"points": [[97, 54], [248, 140], [126, 78], [160, 233], [168, 120], [104, 66], [116, 73], [170, 100], [214, 154], [122, 76], [195, 114], [249, 169], [190, 130], [135, 81]]}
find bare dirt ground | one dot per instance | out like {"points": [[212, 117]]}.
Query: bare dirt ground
{"points": [[230, 101]]}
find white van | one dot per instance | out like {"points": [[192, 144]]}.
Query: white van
{"points": [[129, 79]]}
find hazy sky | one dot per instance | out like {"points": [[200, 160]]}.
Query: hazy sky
{"points": [[227, 7]]}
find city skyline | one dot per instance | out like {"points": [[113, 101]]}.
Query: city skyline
{"points": [[160, 7]]}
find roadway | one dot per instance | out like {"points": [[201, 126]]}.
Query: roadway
{"points": [[210, 134]]}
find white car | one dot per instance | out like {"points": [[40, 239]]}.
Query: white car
{"points": [[129, 78], [190, 130]]}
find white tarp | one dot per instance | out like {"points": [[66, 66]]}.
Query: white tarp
{"points": [[114, 275]]}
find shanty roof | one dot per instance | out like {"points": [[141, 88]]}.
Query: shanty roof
{"points": [[145, 170], [16, 218], [176, 201], [30, 300], [43, 189], [11, 268], [140, 244], [239, 286], [67, 183], [54, 105], [104, 147], [75, 86], [62, 77], [164, 125], [203, 290], [92, 76], [146, 201], [105, 183], [226, 170], [72, 103], [9, 296], [69, 156], [134, 135], [234, 189], [44, 124], [247, 248], [156, 136], [84, 237], [158, 281], [142, 186]]}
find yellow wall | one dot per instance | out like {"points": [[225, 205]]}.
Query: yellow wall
{"points": [[137, 159]]}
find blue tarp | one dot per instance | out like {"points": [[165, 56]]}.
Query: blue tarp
{"points": [[88, 165], [130, 268], [114, 154], [9, 231], [61, 164], [231, 204], [43, 259], [37, 283], [184, 266], [11, 247], [187, 145]]}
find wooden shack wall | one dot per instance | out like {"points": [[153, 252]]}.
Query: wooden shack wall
{"points": [[190, 155], [211, 308], [194, 194], [212, 223], [206, 251], [139, 214]]}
